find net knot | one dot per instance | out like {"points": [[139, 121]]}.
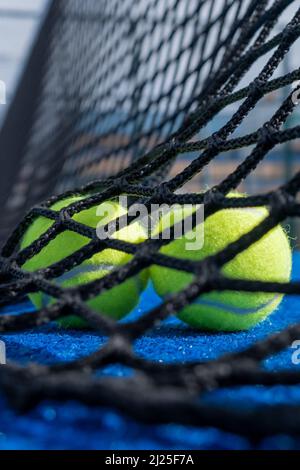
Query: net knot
{"points": [[163, 192], [213, 197], [63, 216], [172, 144], [281, 202], [120, 345], [266, 134], [215, 142], [256, 88], [70, 298], [207, 271], [132, 25], [36, 278], [144, 252]]}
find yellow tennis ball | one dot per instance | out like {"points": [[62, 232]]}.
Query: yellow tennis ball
{"points": [[115, 302], [268, 259]]}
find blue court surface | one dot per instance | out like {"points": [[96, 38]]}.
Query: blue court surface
{"points": [[74, 426]]}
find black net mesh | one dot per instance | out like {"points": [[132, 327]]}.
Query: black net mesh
{"points": [[128, 88]]}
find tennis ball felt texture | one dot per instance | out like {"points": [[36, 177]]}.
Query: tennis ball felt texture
{"points": [[115, 302], [268, 259]]}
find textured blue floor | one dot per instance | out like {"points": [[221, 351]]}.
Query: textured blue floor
{"points": [[74, 426]]}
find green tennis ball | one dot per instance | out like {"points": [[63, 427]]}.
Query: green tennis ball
{"points": [[115, 302], [268, 259]]}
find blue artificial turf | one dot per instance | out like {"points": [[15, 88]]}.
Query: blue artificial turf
{"points": [[75, 426]]}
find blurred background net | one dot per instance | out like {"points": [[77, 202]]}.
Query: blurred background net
{"points": [[114, 79], [153, 97]]}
